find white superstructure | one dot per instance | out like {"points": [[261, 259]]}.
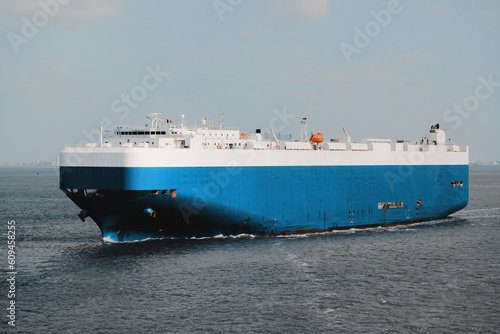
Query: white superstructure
{"points": [[208, 145]]}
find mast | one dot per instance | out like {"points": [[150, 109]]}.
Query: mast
{"points": [[100, 130], [221, 121], [303, 132]]}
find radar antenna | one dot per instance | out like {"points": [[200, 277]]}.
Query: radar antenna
{"points": [[183, 121]]}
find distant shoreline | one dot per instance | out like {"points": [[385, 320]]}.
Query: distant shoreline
{"points": [[29, 166], [472, 165], [484, 167]]}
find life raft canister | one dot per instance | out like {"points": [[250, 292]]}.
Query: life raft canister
{"points": [[317, 138]]}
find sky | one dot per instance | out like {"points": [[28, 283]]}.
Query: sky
{"points": [[380, 69]]}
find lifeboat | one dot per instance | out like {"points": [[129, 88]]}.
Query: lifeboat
{"points": [[317, 138]]}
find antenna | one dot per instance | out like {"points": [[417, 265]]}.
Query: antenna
{"points": [[156, 119], [100, 130], [221, 120]]}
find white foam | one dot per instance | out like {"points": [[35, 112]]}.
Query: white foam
{"points": [[108, 240], [221, 236], [112, 241]]}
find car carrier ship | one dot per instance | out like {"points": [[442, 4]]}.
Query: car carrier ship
{"points": [[178, 181]]}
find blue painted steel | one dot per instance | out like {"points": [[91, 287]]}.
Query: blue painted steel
{"points": [[262, 200]]}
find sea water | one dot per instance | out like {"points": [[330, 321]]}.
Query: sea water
{"points": [[435, 277]]}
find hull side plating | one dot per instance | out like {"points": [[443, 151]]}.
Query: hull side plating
{"points": [[135, 203]]}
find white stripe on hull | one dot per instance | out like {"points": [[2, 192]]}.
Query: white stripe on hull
{"points": [[157, 157]]}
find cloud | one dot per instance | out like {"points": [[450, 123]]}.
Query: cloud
{"points": [[60, 68], [72, 10], [93, 9], [417, 57], [313, 9], [303, 9], [254, 32], [18, 7], [439, 10]]}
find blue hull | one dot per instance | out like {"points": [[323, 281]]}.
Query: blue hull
{"points": [[138, 203]]}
